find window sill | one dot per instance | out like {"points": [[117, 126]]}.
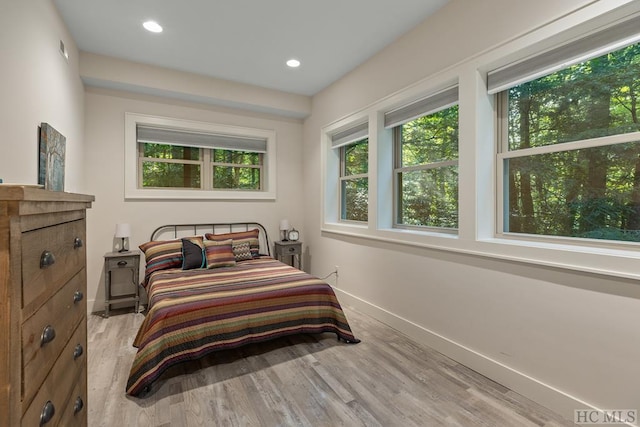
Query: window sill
{"points": [[133, 194], [615, 263]]}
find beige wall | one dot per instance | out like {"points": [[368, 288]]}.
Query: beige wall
{"points": [[565, 339], [38, 85], [104, 157]]}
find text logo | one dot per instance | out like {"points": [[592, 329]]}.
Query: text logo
{"points": [[605, 416]]}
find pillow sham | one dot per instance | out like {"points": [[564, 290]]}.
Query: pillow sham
{"points": [[193, 253], [219, 254], [250, 236], [241, 251], [160, 255]]}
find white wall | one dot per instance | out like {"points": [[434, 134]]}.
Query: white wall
{"points": [[38, 85], [105, 110], [567, 339]]}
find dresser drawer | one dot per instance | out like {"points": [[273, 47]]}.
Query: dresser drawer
{"points": [[62, 385], [75, 410], [61, 314], [50, 257]]}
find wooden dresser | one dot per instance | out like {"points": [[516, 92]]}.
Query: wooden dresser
{"points": [[43, 310]]}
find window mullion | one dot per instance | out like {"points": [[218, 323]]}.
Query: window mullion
{"points": [[355, 176], [427, 166], [179, 161], [573, 145], [206, 169]]}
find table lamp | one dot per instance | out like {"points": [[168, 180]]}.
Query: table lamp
{"points": [[284, 227], [123, 231]]}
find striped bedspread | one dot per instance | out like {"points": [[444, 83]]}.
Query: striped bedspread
{"points": [[194, 312]]}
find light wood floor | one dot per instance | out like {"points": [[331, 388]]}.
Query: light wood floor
{"points": [[386, 380]]}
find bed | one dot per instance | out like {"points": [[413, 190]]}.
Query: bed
{"points": [[236, 296]]}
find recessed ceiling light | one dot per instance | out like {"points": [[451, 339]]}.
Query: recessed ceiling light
{"points": [[293, 63], [152, 26]]}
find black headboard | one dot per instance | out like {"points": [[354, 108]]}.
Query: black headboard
{"points": [[174, 231]]}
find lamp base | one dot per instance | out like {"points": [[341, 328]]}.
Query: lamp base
{"points": [[122, 249]]}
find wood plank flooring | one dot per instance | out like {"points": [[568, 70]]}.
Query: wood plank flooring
{"points": [[386, 380]]}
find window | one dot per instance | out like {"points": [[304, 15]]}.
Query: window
{"points": [[353, 145], [170, 166], [237, 169], [426, 162], [180, 159], [354, 181], [569, 150]]}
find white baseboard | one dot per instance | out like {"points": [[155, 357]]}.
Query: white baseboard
{"points": [[544, 394]]}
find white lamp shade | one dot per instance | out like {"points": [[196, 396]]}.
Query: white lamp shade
{"points": [[123, 230], [284, 225]]}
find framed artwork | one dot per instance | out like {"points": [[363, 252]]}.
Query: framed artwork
{"points": [[52, 152]]}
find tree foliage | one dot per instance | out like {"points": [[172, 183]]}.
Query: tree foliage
{"points": [[163, 173], [590, 192], [355, 191], [229, 170], [173, 166], [428, 196]]}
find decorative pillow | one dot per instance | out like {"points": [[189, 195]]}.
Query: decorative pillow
{"points": [[219, 254], [161, 255], [250, 236], [241, 251], [193, 253]]}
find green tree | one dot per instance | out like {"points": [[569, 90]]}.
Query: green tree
{"points": [[355, 191], [589, 192], [428, 188]]}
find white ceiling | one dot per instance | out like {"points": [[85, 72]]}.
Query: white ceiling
{"points": [[246, 41]]}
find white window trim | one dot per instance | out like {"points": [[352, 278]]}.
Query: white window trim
{"points": [[131, 190], [330, 159], [478, 201]]}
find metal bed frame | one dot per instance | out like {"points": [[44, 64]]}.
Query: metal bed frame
{"points": [[185, 230]]}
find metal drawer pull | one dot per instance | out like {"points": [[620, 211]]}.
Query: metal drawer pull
{"points": [[77, 296], [77, 243], [47, 259], [77, 407], [48, 411], [292, 249], [48, 334], [77, 352], [122, 263]]}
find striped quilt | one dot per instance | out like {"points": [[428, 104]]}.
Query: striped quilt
{"points": [[195, 312]]}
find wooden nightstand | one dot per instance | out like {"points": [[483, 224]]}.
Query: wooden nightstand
{"points": [[114, 261], [289, 251]]}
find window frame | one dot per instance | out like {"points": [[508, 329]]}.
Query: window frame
{"points": [[212, 164], [133, 171], [399, 169], [142, 160], [353, 177], [504, 153]]}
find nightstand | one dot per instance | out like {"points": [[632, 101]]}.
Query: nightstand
{"points": [[290, 251], [114, 261]]}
